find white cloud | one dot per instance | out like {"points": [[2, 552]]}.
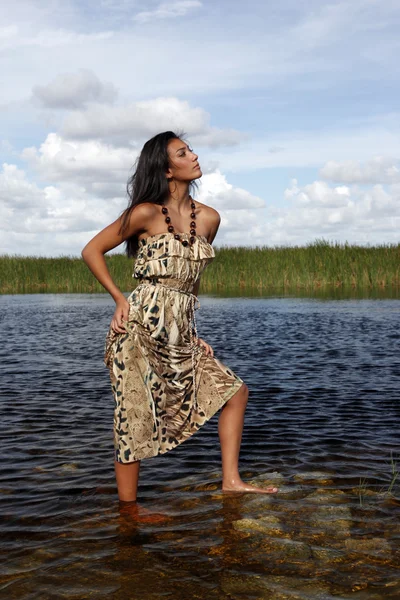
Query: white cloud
{"points": [[223, 196], [255, 72], [16, 190], [380, 169], [339, 212], [168, 10], [123, 124], [317, 210], [319, 193], [88, 193], [51, 218], [256, 49], [88, 162], [61, 218], [237, 227], [51, 38], [44, 243], [8, 32], [74, 90]]}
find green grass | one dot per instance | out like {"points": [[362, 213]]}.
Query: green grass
{"points": [[318, 265], [366, 490]]}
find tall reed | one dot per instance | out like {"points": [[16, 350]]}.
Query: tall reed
{"points": [[320, 264]]}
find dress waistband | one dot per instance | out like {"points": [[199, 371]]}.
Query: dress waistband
{"points": [[178, 287], [170, 282]]}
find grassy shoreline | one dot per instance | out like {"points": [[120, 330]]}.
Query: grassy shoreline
{"points": [[316, 266]]}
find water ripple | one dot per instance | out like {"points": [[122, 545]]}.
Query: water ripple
{"points": [[322, 422]]}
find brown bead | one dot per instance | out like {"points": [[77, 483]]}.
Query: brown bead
{"points": [[164, 210], [168, 219], [184, 242], [193, 224], [170, 228], [193, 232], [177, 236], [192, 215], [193, 205], [192, 240]]}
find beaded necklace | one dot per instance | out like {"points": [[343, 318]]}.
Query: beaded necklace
{"points": [[177, 236]]}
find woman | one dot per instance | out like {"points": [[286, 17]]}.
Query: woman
{"points": [[166, 381]]}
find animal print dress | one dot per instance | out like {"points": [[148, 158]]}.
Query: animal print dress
{"points": [[165, 387]]}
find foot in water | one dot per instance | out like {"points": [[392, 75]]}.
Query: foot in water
{"points": [[241, 486], [140, 514]]}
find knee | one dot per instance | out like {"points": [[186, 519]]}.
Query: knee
{"points": [[244, 389], [242, 395], [239, 399]]}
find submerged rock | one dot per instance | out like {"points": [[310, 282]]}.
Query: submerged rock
{"points": [[257, 503], [327, 555], [315, 477], [325, 495], [333, 512], [290, 549], [273, 587], [264, 480], [267, 535], [371, 546], [269, 524], [69, 467], [334, 520]]}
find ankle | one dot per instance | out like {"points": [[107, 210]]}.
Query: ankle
{"points": [[231, 480], [125, 501]]}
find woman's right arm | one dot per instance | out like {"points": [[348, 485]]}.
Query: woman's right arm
{"points": [[106, 240]]}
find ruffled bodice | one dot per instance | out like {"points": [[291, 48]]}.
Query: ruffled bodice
{"points": [[162, 256]]}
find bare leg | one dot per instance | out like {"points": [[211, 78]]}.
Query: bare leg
{"points": [[127, 475], [127, 480], [230, 428]]}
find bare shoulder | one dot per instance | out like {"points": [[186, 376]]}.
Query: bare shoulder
{"points": [[117, 232], [141, 216], [144, 212], [211, 219], [209, 213]]}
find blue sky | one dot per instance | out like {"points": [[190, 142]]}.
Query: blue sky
{"points": [[292, 108]]}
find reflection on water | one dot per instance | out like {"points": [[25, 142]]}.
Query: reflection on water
{"points": [[322, 422]]}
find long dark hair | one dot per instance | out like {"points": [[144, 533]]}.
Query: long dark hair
{"points": [[148, 182]]}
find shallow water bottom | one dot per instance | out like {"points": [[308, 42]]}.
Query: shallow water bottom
{"points": [[319, 538]]}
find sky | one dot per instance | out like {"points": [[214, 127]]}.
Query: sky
{"points": [[292, 108]]}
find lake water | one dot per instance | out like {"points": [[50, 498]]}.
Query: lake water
{"points": [[322, 421]]}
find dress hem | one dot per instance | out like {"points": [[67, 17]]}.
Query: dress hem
{"points": [[236, 385]]}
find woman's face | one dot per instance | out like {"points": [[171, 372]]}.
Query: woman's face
{"points": [[184, 165]]}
